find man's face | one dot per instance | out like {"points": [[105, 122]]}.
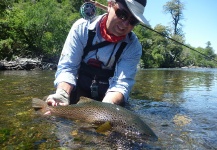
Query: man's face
{"points": [[115, 25]]}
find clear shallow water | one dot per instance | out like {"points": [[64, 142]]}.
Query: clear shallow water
{"points": [[183, 106], [180, 105]]}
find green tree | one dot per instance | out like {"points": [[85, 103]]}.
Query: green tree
{"points": [[39, 28], [175, 8], [145, 37], [209, 51], [174, 50], [5, 40], [160, 44]]}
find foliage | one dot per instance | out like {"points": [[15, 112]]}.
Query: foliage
{"points": [[175, 8], [162, 46], [34, 28]]}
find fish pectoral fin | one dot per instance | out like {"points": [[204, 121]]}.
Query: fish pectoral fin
{"points": [[104, 127]]}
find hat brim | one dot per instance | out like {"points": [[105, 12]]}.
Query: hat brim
{"points": [[136, 9]]}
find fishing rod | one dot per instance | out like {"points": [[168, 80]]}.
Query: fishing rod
{"points": [[88, 11]]}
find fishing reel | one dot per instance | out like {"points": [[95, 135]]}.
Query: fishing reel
{"points": [[88, 10]]}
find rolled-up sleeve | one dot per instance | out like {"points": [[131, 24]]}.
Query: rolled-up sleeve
{"points": [[126, 68], [72, 52]]}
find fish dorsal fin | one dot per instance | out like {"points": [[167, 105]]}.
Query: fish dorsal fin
{"points": [[84, 100]]}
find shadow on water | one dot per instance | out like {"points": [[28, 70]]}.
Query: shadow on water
{"points": [[180, 105]]}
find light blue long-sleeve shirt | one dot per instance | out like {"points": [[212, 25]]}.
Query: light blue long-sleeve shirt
{"points": [[72, 52]]}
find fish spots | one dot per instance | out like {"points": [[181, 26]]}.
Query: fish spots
{"points": [[121, 119]]}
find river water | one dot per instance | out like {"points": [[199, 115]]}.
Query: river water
{"points": [[180, 105]]}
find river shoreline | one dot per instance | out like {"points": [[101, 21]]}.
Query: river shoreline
{"points": [[39, 64], [27, 64]]}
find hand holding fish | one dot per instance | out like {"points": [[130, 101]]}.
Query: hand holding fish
{"points": [[61, 98]]}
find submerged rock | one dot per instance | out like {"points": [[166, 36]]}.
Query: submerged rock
{"points": [[181, 120]]}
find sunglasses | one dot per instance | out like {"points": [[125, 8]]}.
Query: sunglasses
{"points": [[124, 15]]}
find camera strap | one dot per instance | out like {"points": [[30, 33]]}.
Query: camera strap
{"points": [[89, 47], [94, 87]]}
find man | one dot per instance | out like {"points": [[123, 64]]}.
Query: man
{"points": [[105, 72]]}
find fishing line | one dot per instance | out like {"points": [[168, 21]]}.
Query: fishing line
{"points": [[88, 11], [178, 42]]}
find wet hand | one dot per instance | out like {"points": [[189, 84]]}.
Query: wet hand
{"points": [[61, 98]]}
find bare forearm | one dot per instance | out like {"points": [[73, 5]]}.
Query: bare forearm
{"points": [[65, 86], [114, 98]]}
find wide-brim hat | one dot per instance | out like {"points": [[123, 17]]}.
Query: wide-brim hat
{"points": [[137, 8]]}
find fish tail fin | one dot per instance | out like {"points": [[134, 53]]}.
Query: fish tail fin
{"points": [[39, 105]]}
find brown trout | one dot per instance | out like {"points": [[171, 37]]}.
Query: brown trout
{"points": [[121, 120]]}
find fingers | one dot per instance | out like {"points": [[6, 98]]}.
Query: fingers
{"points": [[52, 102], [62, 104]]}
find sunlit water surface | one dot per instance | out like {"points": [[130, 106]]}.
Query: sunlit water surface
{"points": [[180, 105]]}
